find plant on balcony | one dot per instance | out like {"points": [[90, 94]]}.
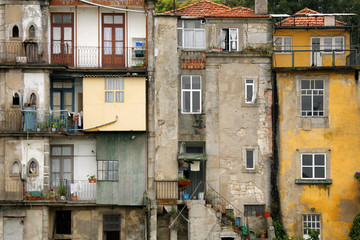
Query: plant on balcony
{"points": [[91, 178], [357, 176], [62, 191], [184, 181], [62, 124], [54, 126]]}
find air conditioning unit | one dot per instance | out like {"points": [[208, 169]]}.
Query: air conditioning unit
{"points": [[21, 59]]}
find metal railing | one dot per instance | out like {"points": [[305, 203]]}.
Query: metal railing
{"points": [[73, 56], [167, 190], [10, 120], [304, 56], [11, 190]]}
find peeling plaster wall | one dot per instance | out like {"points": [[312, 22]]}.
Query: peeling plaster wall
{"points": [[38, 83], [337, 203]]}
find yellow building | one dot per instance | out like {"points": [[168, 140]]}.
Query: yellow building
{"points": [[318, 133]]}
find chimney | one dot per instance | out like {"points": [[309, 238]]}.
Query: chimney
{"points": [[261, 6]]}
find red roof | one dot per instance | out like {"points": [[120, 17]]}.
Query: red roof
{"points": [[211, 9], [238, 12], [305, 21], [200, 9]]}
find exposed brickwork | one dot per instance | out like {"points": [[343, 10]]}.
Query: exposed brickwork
{"points": [[194, 63]]}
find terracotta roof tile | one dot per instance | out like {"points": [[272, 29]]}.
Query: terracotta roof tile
{"points": [[305, 21], [238, 12], [199, 9]]}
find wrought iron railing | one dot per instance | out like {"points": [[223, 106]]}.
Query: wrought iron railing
{"points": [[10, 120], [73, 56]]}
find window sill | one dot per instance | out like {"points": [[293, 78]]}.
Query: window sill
{"points": [[313, 181]]}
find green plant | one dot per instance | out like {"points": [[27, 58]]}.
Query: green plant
{"points": [[355, 228], [313, 234], [54, 125], [62, 190], [91, 176], [184, 179], [262, 231], [280, 233], [62, 123]]}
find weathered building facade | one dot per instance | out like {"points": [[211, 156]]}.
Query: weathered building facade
{"points": [[212, 120], [318, 99], [72, 106]]}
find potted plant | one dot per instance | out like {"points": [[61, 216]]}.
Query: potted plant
{"points": [[62, 124], [262, 233], [54, 126], [74, 197], [62, 191], [214, 48], [184, 181], [91, 178]]}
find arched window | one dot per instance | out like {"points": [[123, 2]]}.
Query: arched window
{"points": [[33, 99], [15, 168], [15, 31], [33, 167], [16, 99], [32, 31]]}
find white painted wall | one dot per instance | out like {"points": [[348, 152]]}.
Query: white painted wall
{"points": [[33, 149], [32, 16], [84, 156], [35, 82]]}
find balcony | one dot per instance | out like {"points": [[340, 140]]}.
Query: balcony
{"points": [[11, 121], [306, 57], [72, 56], [35, 189]]}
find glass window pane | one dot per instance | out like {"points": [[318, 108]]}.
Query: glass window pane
{"points": [[119, 34], [319, 159], [109, 96], [179, 37], [196, 102], [67, 165], [118, 19], [287, 43], [188, 38], [186, 101], [199, 38], [186, 82], [307, 172], [119, 97], [55, 165], [196, 82], [249, 93], [67, 33], [68, 98], [56, 151], [107, 34], [339, 43], [319, 84], [67, 18], [66, 151], [119, 48], [57, 18], [109, 84], [318, 103], [319, 172], [305, 84], [306, 103], [108, 19], [327, 43], [249, 158], [307, 159], [56, 33]]}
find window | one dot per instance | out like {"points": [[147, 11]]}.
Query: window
{"points": [[33, 99], [312, 98], [283, 43], [328, 43], [108, 170], [311, 222], [190, 94], [63, 222], [250, 163], [33, 168], [15, 32], [313, 166], [111, 227], [229, 39], [62, 164], [191, 33], [254, 210], [114, 89], [249, 91], [15, 168], [32, 31], [16, 99]]}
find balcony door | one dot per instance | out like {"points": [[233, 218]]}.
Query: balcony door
{"points": [[113, 50], [62, 38], [316, 53], [62, 164], [62, 96]]}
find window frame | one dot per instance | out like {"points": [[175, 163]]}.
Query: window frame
{"points": [[61, 158], [260, 213], [28, 173], [100, 171], [182, 29], [307, 222], [283, 45], [191, 91], [11, 168], [313, 166], [312, 95], [115, 91], [253, 158], [256, 157], [228, 42], [253, 91], [325, 50]]}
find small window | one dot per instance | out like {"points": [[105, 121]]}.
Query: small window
{"points": [[32, 167], [191, 33], [229, 39], [250, 161], [32, 31], [249, 91], [108, 170], [313, 166], [15, 32], [111, 227], [254, 210], [114, 90], [63, 222], [33, 99], [16, 100], [312, 98], [311, 222], [15, 168], [190, 94]]}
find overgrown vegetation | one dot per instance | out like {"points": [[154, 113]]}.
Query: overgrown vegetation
{"points": [[280, 233], [355, 229]]}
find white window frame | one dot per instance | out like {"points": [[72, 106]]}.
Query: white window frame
{"points": [[194, 30], [282, 46], [253, 158], [248, 83], [312, 92], [309, 222], [115, 89], [191, 91], [103, 170], [229, 41], [328, 50], [313, 166]]}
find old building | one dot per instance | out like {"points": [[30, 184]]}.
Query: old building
{"points": [[211, 121], [73, 105], [318, 98]]}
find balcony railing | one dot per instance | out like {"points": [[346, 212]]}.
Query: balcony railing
{"points": [[36, 189], [11, 120], [73, 56], [304, 56]]}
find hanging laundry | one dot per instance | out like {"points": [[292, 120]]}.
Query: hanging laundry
{"points": [[195, 166]]}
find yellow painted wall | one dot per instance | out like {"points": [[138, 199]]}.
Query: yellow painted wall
{"points": [[301, 40], [131, 113], [337, 203]]}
